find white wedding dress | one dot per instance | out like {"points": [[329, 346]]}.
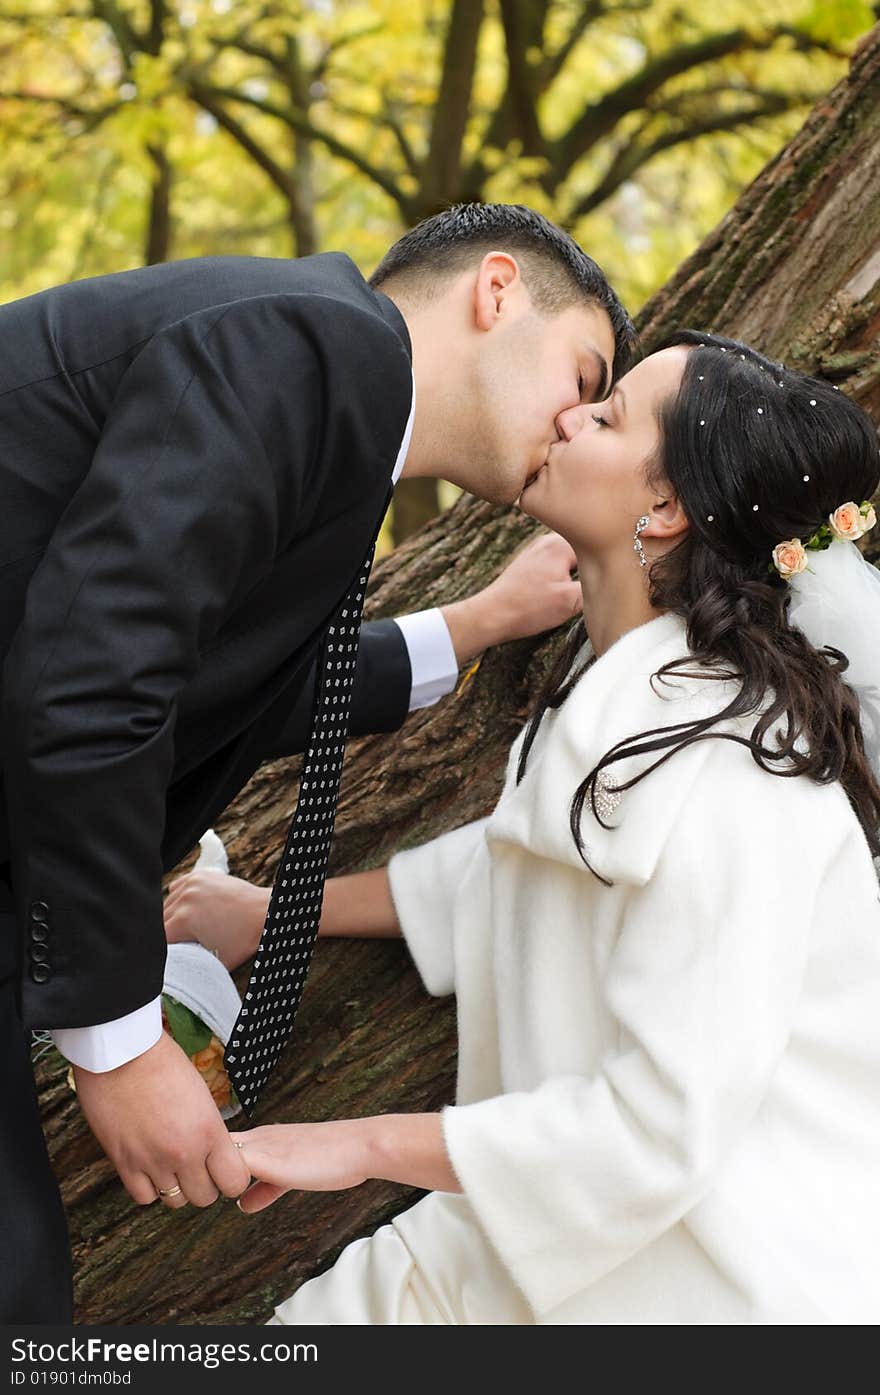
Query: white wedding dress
{"points": [[667, 1105]]}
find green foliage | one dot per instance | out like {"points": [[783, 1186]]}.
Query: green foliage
{"points": [[188, 1031], [317, 124], [844, 19]]}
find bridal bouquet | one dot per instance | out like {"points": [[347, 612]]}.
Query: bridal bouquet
{"points": [[200, 1002], [197, 1038]]}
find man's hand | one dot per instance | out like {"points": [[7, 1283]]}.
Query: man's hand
{"points": [[156, 1121], [225, 914], [534, 593]]}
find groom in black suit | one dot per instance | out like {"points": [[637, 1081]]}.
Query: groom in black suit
{"points": [[194, 458]]}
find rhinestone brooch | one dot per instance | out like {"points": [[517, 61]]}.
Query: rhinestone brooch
{"points": [[606, 799]]}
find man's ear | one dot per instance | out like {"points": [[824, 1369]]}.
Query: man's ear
{"points": [[498, 282]]}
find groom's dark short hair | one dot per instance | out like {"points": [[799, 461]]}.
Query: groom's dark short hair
{"points": [[556, 271]]}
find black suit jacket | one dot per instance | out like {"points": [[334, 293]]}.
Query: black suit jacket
{"points": [[193, 460]]}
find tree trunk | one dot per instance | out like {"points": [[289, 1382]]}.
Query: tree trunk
{"points": [[416, 502], [159, 225], [441, 175], [795, 268], [302, 175], [304, 233]]}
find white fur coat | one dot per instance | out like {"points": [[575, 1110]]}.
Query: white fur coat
{"points": [[668, 1101]]}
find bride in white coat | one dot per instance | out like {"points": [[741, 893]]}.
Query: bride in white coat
{"points": [[665, 940]]}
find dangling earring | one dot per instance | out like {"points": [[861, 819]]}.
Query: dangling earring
{"points": [[637, 545]]}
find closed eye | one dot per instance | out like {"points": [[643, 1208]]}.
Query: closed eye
{"points": [[599, 420], [587, 389]]}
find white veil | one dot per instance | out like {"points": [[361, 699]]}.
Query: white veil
{"points": [[837, 602]]}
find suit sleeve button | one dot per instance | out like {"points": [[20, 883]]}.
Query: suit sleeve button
{"points": [[39, 932], [40, 973], [39, 954], [39, 911]]}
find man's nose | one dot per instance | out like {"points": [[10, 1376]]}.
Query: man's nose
{"points": [[570, 421]]}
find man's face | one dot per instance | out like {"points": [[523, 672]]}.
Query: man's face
{"points": [[529, 371]]}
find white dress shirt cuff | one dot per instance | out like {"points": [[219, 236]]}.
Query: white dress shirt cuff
{"points": [[111, 1044], [431, 656]]}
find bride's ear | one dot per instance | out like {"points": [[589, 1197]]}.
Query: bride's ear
{"points": [[668, 519]]}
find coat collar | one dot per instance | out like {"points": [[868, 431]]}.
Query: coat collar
{"points": [[613, 700]]}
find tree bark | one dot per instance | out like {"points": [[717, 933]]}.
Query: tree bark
{"points": [[795, 268]]}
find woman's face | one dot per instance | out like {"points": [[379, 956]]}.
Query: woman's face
{"points": [[592, 488]]}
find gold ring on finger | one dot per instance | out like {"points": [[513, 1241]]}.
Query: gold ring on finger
{"points": [[169, 1191]]}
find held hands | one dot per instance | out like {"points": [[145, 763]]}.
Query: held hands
{"points": [[534, 593], [407, 1148], [325, 1157], [156, 1121]]}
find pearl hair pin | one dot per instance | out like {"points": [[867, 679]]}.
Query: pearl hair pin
{"points": [[780, 368]]}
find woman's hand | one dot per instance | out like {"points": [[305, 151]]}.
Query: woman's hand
{"points": [[225, 914], [407, 1148], [307, 1157]]}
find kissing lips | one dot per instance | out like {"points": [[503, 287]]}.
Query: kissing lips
{"points": [[534, 475]]}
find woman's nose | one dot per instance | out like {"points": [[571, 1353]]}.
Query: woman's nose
{"points": [[570, 421]]}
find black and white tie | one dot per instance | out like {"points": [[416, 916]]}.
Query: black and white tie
{"points": [[282, 961]]}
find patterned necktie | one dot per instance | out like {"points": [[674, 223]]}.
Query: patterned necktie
{"points": [[266, 1019]]}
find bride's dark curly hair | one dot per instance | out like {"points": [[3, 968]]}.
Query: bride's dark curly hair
{"points": [[744, 431]]}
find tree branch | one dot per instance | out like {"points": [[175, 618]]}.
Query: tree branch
{"points": [[91, 117], [205, 93], [501, 127], [633, 156], [127, 38], [334, 45], [601, 117], [158, 15], [555, 62], [689, 103], [389, 118], [239, 133], [243, 45]]}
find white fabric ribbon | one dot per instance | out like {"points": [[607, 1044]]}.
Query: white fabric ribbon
{"points": [[195, 977]]}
